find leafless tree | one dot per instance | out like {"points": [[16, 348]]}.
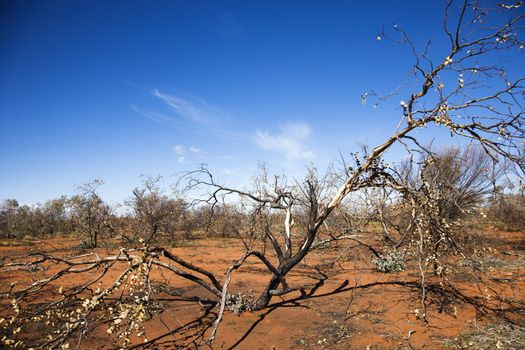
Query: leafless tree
{"points": [[507, 209], [52, 217], [90, 213], [155, 213], [458, 181]]}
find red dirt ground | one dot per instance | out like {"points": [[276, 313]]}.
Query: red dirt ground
{"points": [[354, 307]]}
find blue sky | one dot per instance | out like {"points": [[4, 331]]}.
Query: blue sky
{"points": [[116, 89]]}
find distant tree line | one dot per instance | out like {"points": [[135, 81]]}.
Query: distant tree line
{"points": [[465, 185]]}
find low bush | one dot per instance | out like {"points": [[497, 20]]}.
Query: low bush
{"points": [[390, 263]]}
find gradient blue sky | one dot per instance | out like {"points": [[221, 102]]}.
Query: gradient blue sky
{"points": [[116, 89]]}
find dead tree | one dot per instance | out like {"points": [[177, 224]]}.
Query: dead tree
{"points": [[89, 212], [155, 214], [458, 182]]}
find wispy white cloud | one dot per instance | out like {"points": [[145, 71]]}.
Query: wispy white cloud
{"points": [[184, 153], [197, 151], [179, 150], [156, 117], [290, 141], [192, 108], [193, 115]]}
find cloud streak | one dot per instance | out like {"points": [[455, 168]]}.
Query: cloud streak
{"points": [[195, 115], [193, 109], [156, 117], [290, 141]]}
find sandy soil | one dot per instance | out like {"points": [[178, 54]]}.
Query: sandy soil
{"points": [[352, 306]]}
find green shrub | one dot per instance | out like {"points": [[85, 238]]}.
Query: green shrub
{"points": [[390, 263]]}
